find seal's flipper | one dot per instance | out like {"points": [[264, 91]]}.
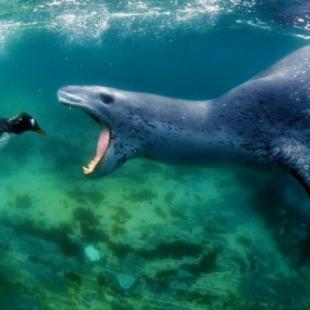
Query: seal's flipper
{"points": [[294, 156], [303, 178]]}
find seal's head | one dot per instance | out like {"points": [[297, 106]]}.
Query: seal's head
{"points": [[24, 122], [109, 108]]}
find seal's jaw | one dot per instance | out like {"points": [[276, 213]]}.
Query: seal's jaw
{"points": [[102, 147], [104, 141]]}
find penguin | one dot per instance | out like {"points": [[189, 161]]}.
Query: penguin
{"points": [[19, 124]]}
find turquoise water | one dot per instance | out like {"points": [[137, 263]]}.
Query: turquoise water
{"points": [[148, 235]]}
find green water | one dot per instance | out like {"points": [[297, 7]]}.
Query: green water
{"points": [[165, 237]]}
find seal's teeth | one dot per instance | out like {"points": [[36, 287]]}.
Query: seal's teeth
{"points": [[90, 167], [86, 170]]}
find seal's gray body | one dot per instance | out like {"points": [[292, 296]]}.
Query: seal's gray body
{"points": [[292, 13], [266, 119]]}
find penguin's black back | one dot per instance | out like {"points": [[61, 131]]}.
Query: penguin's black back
{"points": [[4, 126]]}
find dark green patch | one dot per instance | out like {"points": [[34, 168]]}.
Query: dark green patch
{"points": [[107, 282], [244, 265], [121, 215], [73, 277], [281, 215], [142, 196], [59, 235], [166, 275], [244, 241], [169, 197], [157, 285], [206, 264], [118, 230], [37, 260], [159, 212], [102, 280], [23, 201], [85, 215], [89, 224], [145, 235], [82, 196], [176, 250], [120, 250], [202, 298], [175, 212], [10, 293]]}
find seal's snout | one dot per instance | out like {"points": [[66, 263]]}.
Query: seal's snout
{"points": [[69, 95], [85, 97], [60, 94]]}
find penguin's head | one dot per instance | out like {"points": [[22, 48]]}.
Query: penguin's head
{"points": [[24, 122]]}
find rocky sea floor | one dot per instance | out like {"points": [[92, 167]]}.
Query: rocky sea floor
{"points": [[148, 236]]}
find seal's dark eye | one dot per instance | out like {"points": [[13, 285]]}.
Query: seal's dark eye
{"points": [[106, 98]]}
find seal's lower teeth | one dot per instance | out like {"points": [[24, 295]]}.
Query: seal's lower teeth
{"points": [[86, 170], [90, 167], [102, 146]]}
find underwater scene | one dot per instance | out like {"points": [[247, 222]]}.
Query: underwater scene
{"points": [[148, 235]]}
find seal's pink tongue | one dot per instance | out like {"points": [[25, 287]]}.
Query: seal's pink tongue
{"points": [[102, 146]]}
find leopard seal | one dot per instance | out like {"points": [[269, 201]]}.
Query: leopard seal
{"points": [[264, 120]]}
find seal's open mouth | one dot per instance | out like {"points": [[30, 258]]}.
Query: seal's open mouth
{"points": [[102, 147], [104, 137]]}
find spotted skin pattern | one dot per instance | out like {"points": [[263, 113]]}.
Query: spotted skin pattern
{"points": [[265, 120]]}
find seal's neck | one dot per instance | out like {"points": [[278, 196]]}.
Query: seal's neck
{"points": [[183, 130]]}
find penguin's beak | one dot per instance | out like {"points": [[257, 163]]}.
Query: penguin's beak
{"points": [[40, 131]]}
